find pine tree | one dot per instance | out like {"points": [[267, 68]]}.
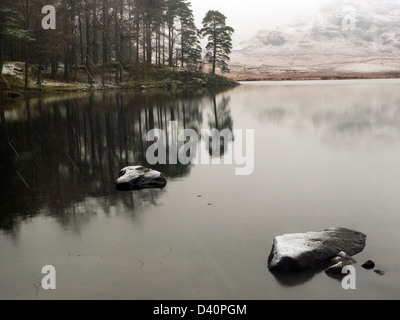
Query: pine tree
{"points": [[219, 37], [190, 45], [171, 14], [10, 29]]}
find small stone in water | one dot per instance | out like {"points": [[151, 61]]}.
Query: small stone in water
{"points": [[369, 265]]}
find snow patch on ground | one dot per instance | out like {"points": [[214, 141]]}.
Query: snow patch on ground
{"points": [[13, 69]]}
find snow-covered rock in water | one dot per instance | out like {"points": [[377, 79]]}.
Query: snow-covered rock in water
{"points": [[138, 178], [307, 250]]}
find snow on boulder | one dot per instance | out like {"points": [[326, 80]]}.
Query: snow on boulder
{"points": [[299, 251], [138, 178]]}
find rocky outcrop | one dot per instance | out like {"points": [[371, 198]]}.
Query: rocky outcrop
{"points": [[308, 250]]}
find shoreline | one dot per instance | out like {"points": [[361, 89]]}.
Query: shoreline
{"points": [[313, 76], [15, 92], [182, 80], [313, 81], [159, 78]]}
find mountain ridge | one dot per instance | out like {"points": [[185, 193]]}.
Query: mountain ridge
{"points": [[341, 39]]}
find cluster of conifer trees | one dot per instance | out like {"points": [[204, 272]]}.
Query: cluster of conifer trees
{"points": [[109, 34]]}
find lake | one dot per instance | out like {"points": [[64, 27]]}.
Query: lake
{"points": [[326, 154]]}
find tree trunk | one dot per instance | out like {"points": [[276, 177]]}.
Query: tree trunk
{"points": [[67, 43], [74, 45], [105, 33], [104, 42], [156, 49], [214, 57], [26, 48], [66, 69], [130, 18], [26, 67], [76, 67], [88, 61], [39, 75], [148, 41], [1, 56], [81, 40], [117, 47], [144, 41], [121, 43], [159, 46], [95, 46], [54, 66], [137, 39], [182, 51], [170, 46], [163, 51]]}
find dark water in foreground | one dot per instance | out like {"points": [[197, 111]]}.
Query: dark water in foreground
{"points": [[326, 154]]}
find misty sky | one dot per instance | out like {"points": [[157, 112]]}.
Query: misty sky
{"points": [[248, 17]]}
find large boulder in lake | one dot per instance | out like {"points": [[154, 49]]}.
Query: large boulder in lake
{"points": [[138, 178], [299, 251]]}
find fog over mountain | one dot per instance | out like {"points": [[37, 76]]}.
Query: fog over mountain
{"points": [[356, 36]]}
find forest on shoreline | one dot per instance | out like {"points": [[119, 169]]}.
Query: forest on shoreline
{"points": [[104, 43]]}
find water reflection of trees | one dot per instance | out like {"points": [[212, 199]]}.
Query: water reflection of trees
{"points": [[220, 120], [56, 152]]}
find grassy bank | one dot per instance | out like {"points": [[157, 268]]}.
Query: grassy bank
{"points": [[136, 77]]}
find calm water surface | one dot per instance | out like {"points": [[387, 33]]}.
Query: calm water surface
{"points": [[327, 154]]}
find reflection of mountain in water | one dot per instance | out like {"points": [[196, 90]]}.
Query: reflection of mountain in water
{"points": [[341, 115], [58, 152]]}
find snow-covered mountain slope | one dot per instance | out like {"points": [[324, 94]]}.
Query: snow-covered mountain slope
{"points": [[356, 36]]}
